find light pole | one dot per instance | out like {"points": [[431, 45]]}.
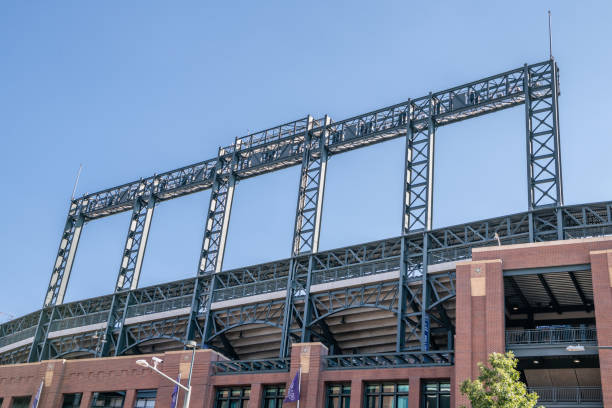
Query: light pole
{"points": [[156, 360]]}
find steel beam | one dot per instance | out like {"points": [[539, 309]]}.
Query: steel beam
{"points": [[550, 293], [289, 305], [218, 216], [136, 240], [543, 144], [418, 172], [65, 255], [310, 195]]}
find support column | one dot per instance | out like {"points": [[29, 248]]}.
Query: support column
{"points": [[59, 278], [309, 357], [414, 396], [312, 187], [256, 395], [218, 216], [130, 398], [544, 181], [425, 295], [419, 173], [601, 269], [136, 240], [480, 319], [357, 393], [288, 310], [65, 255], [418, 206]]}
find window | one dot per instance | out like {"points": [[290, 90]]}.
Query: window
{"points": [[386, 395], [108, 399], [436, 394], [145, 399], [273, 396], [338, 396], [72, 400], [21, 402], [235, 397]]}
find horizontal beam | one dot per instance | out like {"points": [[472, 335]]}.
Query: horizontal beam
{"points": [[283, 146]]}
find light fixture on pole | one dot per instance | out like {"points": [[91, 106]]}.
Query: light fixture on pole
{"points": [[156, 360]]}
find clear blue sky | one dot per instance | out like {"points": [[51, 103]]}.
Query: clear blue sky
{"points": [[135, 88]]}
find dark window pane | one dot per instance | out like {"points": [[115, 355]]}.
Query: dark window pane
{"points": [[445, 401], [21, 402], [72, 400], [402, 402]]}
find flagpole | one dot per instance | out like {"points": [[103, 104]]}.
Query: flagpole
{"points": [[299, 386]]}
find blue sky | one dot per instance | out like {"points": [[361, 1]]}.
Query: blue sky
{"points": [[135, 88]]}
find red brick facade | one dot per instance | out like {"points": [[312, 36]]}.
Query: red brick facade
{"points": [[122, 373], [480, 327]]}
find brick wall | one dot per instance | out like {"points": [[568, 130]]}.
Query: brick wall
{"points": [[122, 374]]}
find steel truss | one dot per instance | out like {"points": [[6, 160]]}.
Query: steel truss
{"points": [[89, 318], [309, 143], [310, 193]]}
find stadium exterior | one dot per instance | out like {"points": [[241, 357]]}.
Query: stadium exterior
{"points": [[402, 320]]}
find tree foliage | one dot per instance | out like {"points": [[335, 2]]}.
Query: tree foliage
{"points": [[499, 385]]}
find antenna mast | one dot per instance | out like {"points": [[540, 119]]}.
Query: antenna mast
{"points": [[76, 182], [549, 37]]}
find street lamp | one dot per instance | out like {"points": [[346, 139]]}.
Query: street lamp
{"points": [[580, 348], [156, 360]]}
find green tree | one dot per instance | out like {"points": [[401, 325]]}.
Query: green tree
{"points": [[499, 385]]}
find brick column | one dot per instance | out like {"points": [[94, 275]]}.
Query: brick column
{"points": [[130, 398], [256, 398], [414, 397], [86, 399], [308, 356], [480, 319], [357, 392], [53, 376], [176, 362], [601, 270]]}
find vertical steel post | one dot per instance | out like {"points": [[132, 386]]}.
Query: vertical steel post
{"points": [[543, 143], [130, 267], [425, 321], [59, 278], [215, 237], [65, 255], [137, 236], [307, 318], [400, 341], [310, 194], [419, 173], [218, 216], [287, 312]]}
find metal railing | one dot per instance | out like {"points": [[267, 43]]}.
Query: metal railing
{"points": [[250, 366], [356, 271], [587, 335], [389, 360], [79, 321], [250, 289], [18, 336], [565, 395], [159, 306]]}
